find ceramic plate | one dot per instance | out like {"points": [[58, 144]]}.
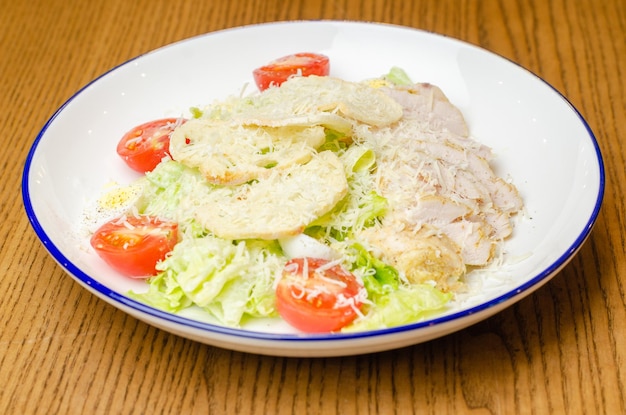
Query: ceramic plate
{"points": [[541, 143]]}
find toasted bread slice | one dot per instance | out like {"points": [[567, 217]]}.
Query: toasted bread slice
{"points": [[277, 206], [324, 100], [234, 154]]}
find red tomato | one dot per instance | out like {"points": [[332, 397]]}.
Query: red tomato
{"points": [[316, 297], [143, 147], [133, 245], [277, 71]]}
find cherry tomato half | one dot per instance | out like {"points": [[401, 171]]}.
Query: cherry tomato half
{"points": [[316, 297], [133, 245], [143, 147], [278, 71]]}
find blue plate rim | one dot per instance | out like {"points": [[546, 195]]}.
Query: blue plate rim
{"points": [[115, 297]]}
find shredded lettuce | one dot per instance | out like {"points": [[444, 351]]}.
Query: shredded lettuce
{"points": [[379, 278], [172, 191], [361, 207], [403, 306], [372, 207], [393, 302], [228, 279], [234, 280], [196, 112], [335, 141], [398, 76]]}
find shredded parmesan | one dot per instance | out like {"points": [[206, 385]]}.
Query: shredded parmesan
{"points": [[404, 179]]}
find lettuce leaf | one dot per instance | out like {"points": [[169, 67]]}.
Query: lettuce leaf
{"points": [[394, 302], [228, 279], [398, 77], [403, 306]]}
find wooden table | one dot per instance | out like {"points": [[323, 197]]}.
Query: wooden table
{"points": [[62, 350]]}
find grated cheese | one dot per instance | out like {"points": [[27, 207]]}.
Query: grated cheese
{"points": [[407, 183]]}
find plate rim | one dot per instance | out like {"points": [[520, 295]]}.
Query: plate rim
{"points": [[114, 297]]}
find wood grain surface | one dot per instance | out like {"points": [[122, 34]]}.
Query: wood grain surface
{"points": [[63, 351]]}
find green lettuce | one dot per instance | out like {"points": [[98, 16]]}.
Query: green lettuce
{"points": [[172, 191], [394, 303], [228, 279], [403, 306], [398, 77]]}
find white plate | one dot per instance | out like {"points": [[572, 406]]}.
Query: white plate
{"points": [[542, 143]]}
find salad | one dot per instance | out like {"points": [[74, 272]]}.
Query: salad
{"points": [[330, 204]]}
